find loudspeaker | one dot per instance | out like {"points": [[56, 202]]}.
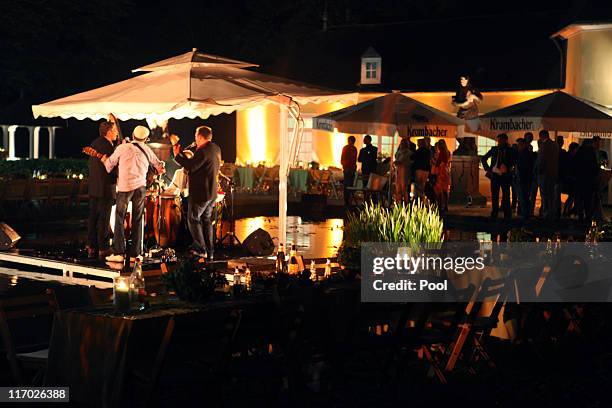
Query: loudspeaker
{"points": [[8, 237], [259, 243]]}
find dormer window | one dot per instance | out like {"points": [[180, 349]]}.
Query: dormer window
{"points": [[371, 67]]}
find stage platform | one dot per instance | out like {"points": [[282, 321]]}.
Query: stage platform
{"points": [[71, 269], [74, 269]]}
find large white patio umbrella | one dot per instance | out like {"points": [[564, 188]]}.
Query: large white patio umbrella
{"points": [[193, 85], [558, 111]]}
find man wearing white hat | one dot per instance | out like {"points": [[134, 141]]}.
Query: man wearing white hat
{"points": [[133, 159]]}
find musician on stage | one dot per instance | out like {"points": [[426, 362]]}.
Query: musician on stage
{"points": [[133, 159], [102, 193], [203, 169]]}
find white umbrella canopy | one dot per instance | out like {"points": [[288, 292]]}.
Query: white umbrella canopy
{"points": [[189, 85], [184, 91], [557, 111], [195, 58], [388, 114]]}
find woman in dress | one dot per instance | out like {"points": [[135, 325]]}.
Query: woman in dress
{"points": [[421, 166], [441, 168], [403, 171]]}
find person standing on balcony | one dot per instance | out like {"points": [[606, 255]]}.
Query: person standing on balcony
{"points": [[102, 192], [349, 166]]}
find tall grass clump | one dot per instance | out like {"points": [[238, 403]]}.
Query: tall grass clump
{"points": [[413, 223]]}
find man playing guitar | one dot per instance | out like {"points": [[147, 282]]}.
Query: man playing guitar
{"points": [[102, 193], [134, 160]]}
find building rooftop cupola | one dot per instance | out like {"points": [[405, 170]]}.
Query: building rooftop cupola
{"points": [[371, 67]]}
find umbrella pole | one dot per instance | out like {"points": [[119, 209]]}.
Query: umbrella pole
{"points": [[282, 175], [391, 171]]}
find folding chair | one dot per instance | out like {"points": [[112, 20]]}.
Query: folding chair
{"points": [[82, 192], [375, 188], [228, 169], [259, 175], [315, 176], [336, 181], [16, 191], [493, 292], [62, 191], [19, 313], [268, 179], [40, 191], [435, 327]]}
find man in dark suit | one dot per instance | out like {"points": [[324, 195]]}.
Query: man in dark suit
{"points": [[203, 169], [102, 193], [500, 174], [547, 169], [525, 162], [368, 158]]}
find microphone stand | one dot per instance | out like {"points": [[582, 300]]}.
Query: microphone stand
{"points": [[230, 236]]}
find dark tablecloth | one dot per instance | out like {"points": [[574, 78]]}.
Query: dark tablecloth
{"points": [[93, 351]]}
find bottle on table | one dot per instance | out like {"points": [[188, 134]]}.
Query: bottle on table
{"points": [[328, 268], [313, 271], [138, 283], [294, 266], [236, 276], [592, 234], [247, 278], [280, 265]]}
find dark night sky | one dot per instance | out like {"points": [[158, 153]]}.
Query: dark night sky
{"points": [[55, 48]]}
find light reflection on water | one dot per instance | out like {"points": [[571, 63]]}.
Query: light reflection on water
{"points": [[319, 239]]}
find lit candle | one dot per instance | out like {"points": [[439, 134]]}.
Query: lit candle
{"points": [[121, 293]]}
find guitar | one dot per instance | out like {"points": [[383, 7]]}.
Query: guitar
{"points": [[90, 151], [152, 172]]}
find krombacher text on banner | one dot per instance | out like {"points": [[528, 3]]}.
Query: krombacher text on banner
{"points": [[423, 132], [511, 124]]}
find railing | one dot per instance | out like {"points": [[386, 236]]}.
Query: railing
{"points": [[46, 192]]}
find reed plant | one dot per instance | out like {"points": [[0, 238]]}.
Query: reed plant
{"points": [[415, 223]]}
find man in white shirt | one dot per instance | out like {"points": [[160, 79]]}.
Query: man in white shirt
{"points": [[133, 160]]}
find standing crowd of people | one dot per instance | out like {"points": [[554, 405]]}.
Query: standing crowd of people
{"points": [[423, 165], [517, 172], [520, 172]]}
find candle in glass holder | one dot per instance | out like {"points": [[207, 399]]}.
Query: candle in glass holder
{"points": [[121, 293]]}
